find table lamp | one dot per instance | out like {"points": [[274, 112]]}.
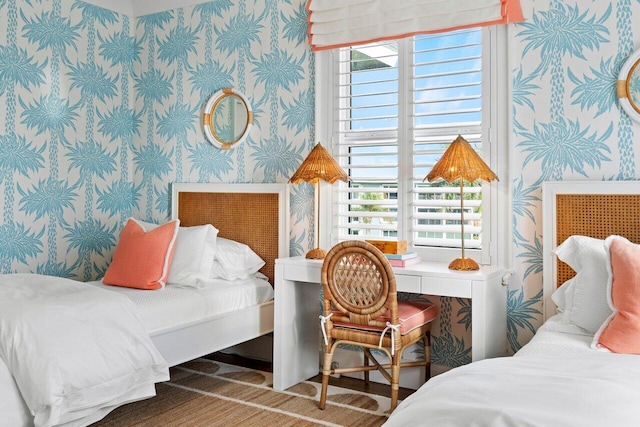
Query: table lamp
{"points": [[461, 162], [318, 165]]}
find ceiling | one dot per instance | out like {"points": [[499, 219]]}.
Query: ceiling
{"points": [[142, 7]]}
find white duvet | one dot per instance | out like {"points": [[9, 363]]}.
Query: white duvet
{"points": [[528, 392], [75, 352]]}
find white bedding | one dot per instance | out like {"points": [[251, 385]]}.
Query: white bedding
{"points": [[74, 351], [157, 310], [555, 380], [177, 305]]}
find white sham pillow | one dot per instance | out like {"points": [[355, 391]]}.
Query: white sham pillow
{"points": [[234, 260], [194, 254], [586, 303], [563, 298]]}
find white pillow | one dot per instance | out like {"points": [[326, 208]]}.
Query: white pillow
{"points": [[563, 298], [588, 296], [234, 260], [194, 254]]}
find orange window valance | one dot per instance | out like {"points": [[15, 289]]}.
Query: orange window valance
{"points": [[338, 23]]}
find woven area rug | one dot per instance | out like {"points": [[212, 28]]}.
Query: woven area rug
{"points": [[209, 393]]}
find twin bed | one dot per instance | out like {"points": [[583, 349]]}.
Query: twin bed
{"points": [[560, 378], [177, 323]]}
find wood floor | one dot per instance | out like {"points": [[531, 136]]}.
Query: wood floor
{"points": [[344, 382]]}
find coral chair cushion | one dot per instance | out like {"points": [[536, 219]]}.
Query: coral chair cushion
{"points": [[411, 314], [142, 258]]}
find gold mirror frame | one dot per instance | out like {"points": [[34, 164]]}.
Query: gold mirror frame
{"points": [[214, 105], [628, 87]]}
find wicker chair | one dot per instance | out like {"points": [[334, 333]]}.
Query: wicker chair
{"points": [[361, 308]]}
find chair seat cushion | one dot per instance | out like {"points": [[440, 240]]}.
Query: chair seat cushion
{"points": [[411, 314]]}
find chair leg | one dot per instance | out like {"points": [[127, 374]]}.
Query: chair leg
{"points": [[326, 372], [427, 355], [395, 380], [366, 363]]}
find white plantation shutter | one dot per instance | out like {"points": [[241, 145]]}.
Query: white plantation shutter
{"points": [[398, 105]]}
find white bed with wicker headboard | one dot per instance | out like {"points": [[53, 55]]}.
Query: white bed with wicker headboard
{"points": [[561, 377], [185, 321]]}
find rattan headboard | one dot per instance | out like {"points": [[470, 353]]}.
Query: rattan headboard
{"points": [[595, 209], [254, 214]]}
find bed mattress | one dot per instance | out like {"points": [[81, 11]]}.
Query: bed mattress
{"points": [[177, 305]]}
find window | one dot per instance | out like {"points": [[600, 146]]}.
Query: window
{"points": [[394, 108]]}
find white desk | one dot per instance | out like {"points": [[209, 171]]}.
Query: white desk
{"points": [[297, 306]]}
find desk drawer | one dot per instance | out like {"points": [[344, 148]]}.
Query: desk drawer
{"points": [[406, 283], [446, 287]]}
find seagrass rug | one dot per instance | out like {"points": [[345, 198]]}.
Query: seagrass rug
{"points": [[211, 393]]}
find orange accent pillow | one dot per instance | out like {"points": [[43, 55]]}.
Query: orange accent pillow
{"points": [[142, 258], [620, 333]]}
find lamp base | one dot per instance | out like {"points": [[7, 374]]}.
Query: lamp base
{"points": [[316, 253], [465, 264]]}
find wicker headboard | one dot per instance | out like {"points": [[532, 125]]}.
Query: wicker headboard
{"points": [[595, 209], [254, 214]]}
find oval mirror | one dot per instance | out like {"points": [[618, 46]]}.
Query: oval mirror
{"points": [[227, 118], [629, 86]]}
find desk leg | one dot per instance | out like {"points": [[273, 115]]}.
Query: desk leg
{"points": [[295, 335]]}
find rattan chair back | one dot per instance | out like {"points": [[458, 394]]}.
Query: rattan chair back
{"points": [[358, 283]]}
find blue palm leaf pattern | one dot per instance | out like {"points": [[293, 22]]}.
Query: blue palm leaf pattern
{"points": [[119, 123], [92, 13], [300, 113], [92, 81], [209, 77], [18, 243], [49, 114], [48, 197], [295, 244], [464, 314], [599, 90], [51, 31], [449, 350], [209, 161], [17, 67], [19, 156], [154, 20], [152, 162], [215, 7], [563, 30], [520, 315], [89, 237], [277, 157], [60, 269], [178, 45], [179, 119], [240, 32], [279, 69], [296, 27], [532, 256], [120, 49], [302, 198], [153, 86], [564, 145], [523, 89], [91, 158], [119, 198]]}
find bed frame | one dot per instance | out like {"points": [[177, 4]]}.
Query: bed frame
{"points": [[596, 209], [254, 214]]}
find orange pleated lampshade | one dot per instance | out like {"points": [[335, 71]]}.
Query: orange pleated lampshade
{"points": [[319, 165]]}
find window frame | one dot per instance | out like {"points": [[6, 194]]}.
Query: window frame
{"points": [[497, 218]]}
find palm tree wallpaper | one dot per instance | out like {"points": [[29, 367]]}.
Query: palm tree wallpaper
{"points": [[100, 113]]}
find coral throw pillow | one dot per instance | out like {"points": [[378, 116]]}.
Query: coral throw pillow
{"points": [[621, 332], [142, 258]]}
